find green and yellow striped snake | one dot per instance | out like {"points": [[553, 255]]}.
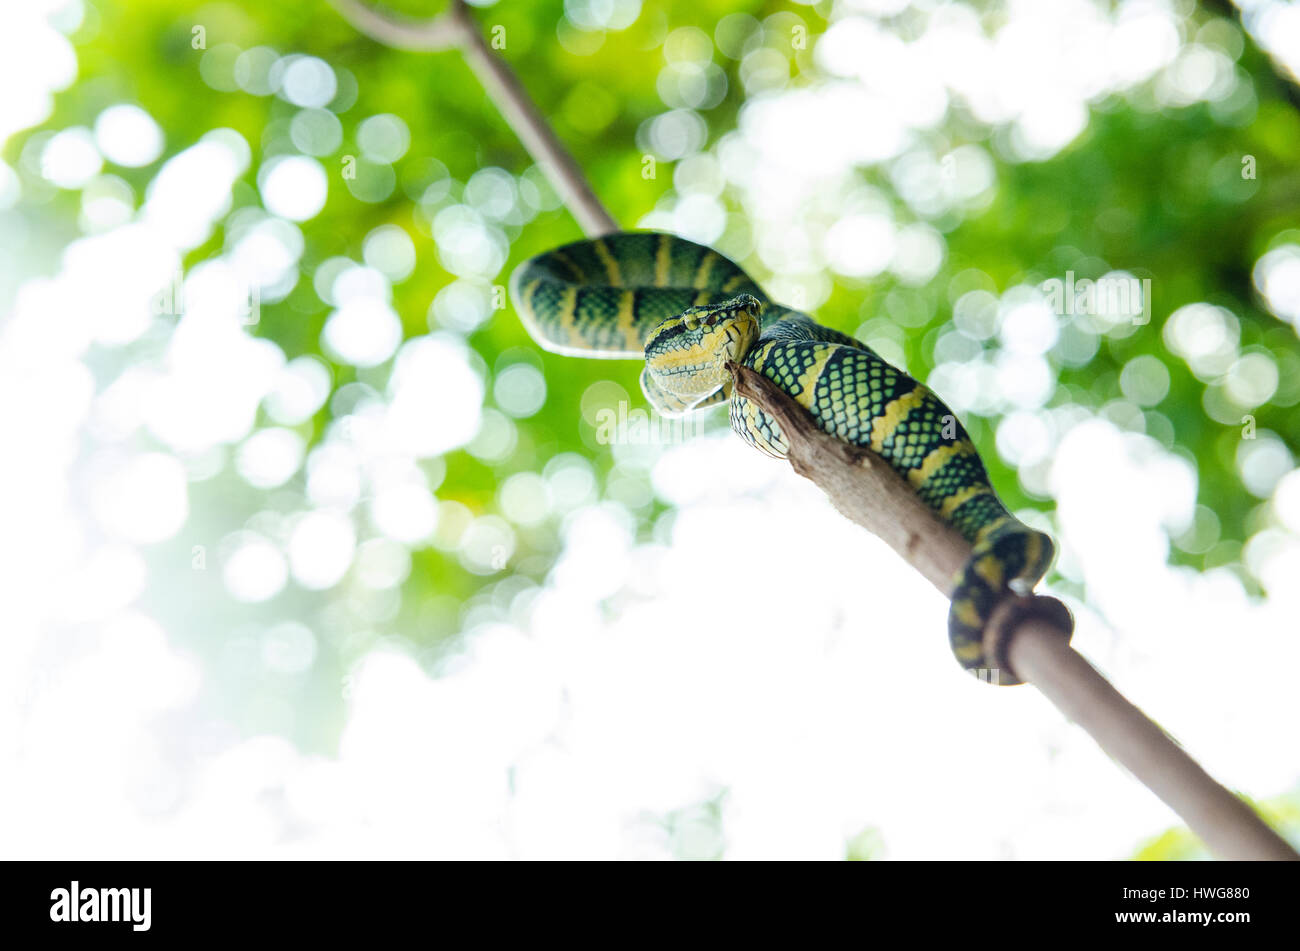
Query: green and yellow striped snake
{"points": [[687, 310]]}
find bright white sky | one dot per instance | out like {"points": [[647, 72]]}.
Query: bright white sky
{"points": [[807, 689]]}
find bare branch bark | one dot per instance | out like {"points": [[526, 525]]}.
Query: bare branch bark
{"points": [[1229, 827], [456, 27], [862, 486], [403, 33]]}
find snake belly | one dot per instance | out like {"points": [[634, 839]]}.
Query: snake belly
{"points": [[605, 297]]}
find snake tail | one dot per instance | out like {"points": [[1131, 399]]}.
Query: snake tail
{"points": [[1007, 555]]}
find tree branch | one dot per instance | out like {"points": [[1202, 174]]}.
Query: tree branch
{"points": [[456, 27], [861, 485], [1229, 827], [403, 33]]}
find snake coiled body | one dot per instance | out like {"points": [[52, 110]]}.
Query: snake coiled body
{"points": [[687, 310]]}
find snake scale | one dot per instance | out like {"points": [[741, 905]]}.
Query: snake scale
{"points": [[687, 310]]}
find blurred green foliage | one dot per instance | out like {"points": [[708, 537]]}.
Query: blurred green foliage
{"points": [[1155, 191]]}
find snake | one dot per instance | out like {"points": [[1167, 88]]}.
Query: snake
{"points": [[687, 311]]}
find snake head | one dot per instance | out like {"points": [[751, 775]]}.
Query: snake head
{"points": [[709, 315], [687, 355]]}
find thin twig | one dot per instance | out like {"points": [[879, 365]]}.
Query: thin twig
{"points": [[457, 27], [403, 33]]}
